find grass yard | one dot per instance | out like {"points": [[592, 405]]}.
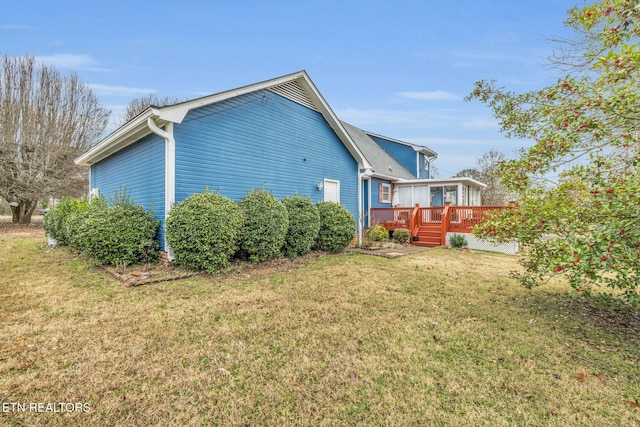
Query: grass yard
{"points": [[438, 338]]}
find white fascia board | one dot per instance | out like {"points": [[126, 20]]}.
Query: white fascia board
{"points": [[393, 179], [176, 113], [333, 121], [446, 181], [118, 139], [137, 127], [421, 148]]}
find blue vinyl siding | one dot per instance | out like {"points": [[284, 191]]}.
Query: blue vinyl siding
{"points": [[404, 154], [140, 169], [424, 173], [261, 140], [375, 193]]}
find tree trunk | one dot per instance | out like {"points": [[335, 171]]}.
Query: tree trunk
{"points": [[21, 214]]}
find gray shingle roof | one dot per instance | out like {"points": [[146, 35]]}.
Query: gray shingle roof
{"points": [[381, 161]]}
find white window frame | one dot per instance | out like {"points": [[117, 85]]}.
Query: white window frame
{"points": [[386, 192]]}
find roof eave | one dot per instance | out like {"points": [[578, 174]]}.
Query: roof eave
{"points": [[118, 139], [334, 122], [138, 128]]}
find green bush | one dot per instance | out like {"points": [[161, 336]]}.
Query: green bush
{"points": [[76, 219], [204, 230], [304, 223], [377, 233], [117, 235], [265, 226], [55, 221], [458, 241], [337, 227], [401, 235]]}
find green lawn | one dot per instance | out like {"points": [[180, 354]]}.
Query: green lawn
{"points": [[442, 337]]}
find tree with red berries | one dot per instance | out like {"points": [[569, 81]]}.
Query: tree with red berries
{"points": [[585, 129]]}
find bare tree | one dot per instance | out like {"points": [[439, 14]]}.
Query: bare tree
{"points": [[138, 105], [469, 173], [495, 194], [46, 120]]}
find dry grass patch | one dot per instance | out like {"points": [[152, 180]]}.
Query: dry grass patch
{"points": [[438, 338]]}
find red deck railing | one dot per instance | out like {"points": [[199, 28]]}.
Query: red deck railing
{"points": [[392, 218], [460, 219]]}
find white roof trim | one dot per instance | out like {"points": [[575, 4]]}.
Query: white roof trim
{"points": [[444, 181], [421, 148], [137, 127]]}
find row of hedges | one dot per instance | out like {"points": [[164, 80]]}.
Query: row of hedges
{"points": [[118, 234], [206, 230]]}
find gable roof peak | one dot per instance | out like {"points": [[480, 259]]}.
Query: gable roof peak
{"points": [[297, 87]]}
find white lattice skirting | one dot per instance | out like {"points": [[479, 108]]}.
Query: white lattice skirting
{"points": [[511, 248]]}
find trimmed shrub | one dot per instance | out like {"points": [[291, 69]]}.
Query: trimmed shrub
{"points": [[304, 224], [54, 221], [117, 235], [377, 233], [401, 235], [204, 230], [76, 220], [265, 226], [337, 227], [458, 241]]}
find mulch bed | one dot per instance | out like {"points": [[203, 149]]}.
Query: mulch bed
{"points": [[156, 273]]}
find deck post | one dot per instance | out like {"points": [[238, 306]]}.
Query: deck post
{"points": [[414, 221], [446, 220]]}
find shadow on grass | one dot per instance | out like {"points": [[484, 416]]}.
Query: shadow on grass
{"points": [[591, 320]]}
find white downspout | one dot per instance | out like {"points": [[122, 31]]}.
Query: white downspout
{"points": [[360, 206], [169, 171], [362, 173]]}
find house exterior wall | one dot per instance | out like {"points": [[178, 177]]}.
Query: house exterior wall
{"points": [[261, 140], [404, 154], [423, 173], [138, 169], [375, 193]]}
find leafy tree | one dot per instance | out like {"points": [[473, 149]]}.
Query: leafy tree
{"points": [[46, 120], [585, 129]]}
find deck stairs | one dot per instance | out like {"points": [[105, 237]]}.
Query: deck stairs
{"points": [[429, 235]]}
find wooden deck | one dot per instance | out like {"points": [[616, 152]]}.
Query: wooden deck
{"points": [[429, 226]]}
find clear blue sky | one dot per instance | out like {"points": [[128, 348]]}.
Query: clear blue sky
{"points": [[397, 68]]}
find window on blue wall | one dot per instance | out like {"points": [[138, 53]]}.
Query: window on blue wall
{"points": [[385, 193]]}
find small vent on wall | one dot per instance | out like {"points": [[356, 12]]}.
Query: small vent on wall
{"points": [[294, 92]]}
